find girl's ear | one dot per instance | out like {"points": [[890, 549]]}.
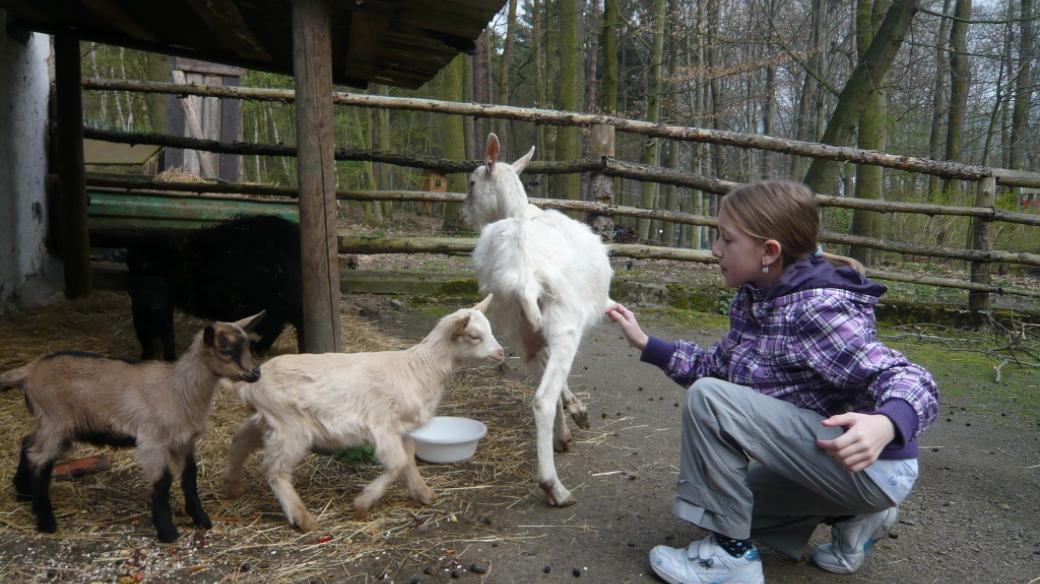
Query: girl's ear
{"points": [[772, 252]]}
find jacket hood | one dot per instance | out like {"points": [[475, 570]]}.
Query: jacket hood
{"points": [[813, 272]]}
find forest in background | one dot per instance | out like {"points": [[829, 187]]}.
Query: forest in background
{"points": [[942, 79]]}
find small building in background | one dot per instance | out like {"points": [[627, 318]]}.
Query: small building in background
{"points": [[434, 181], [1029, 199], [208, 118]]}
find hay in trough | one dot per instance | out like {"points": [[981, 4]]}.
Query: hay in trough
{"points": [[105, 531]]}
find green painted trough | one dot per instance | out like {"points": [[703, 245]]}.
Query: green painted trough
{"points": [[122, 209]]}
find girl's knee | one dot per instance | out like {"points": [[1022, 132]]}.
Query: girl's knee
{"points": [[701, 396]]}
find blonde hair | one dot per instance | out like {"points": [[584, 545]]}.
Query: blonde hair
{"points": [[782, 210]]}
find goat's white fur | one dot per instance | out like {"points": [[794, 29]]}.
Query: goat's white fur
{"points": [[550, 277], [337, 400]]}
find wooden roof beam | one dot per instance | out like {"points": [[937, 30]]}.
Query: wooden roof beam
{"points": [[111, 12], [364, 58], [226, 22]]}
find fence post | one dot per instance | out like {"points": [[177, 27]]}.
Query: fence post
{"points": [[982, 240], [72, 208], [316, 175], [601, 186]]}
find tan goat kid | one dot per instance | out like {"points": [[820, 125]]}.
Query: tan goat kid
{"points": [[159, 407], [337, 400]]}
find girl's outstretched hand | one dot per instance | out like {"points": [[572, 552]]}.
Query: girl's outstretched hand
{"points": [[866, 435], [627, 321]]}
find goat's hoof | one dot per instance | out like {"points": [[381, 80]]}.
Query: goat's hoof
{"points": [[554, 498], [361, 508], [426, 497], [233, 491], [563, 502], [47, 525], [581, 418], [305, 524], [168, 535], [562, 444], [202, 520]]}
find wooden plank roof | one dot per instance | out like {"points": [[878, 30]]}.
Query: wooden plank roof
{"points": [[392, 42]]}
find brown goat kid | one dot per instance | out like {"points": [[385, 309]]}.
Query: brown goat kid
{"points": [[161, 408]]}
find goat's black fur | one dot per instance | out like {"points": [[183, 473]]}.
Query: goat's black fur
{"points": [[231, 270]]}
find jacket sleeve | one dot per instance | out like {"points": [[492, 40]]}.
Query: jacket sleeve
{"points": [[685, 362], [838, 341]]}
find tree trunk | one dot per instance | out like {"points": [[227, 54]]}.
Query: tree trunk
{"points": [[715, 94], [960, 80], [453, 135], [591, 64], [869, 179], [942, 62], [482, 88], [804, 124], [365, 137], [610, 61], [1025, 79], [538, 54], [503, 77], [652, 146], [567, 144], [867, 75]]}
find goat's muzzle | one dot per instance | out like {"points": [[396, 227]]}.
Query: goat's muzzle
{"points": [[499, 355], [251, 376]]}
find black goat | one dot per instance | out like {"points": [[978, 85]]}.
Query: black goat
{"points": [[236, 268]]}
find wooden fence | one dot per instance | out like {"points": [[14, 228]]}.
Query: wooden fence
{"points": [[983, 213]]}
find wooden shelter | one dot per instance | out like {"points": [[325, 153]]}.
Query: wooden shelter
{"points": [[321, 42]]}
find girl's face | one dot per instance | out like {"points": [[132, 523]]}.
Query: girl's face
{"points": [[741, 257]]}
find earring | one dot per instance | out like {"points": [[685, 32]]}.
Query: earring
{"points": [[765, 269]]}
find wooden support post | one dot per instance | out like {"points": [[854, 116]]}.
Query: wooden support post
{"points": [[982, 240], [316, 172], [75, 242], [601, 186]]}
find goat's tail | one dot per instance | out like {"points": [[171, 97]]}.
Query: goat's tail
{"points": [[14, 378], [532, 290]]}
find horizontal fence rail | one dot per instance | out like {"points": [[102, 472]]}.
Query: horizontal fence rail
{"points": [[608, 166], [1022, 258], [464, 246], [542, 116], [982, 215]]}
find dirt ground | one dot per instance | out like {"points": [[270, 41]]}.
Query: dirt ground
{"points": [[973, 516]]}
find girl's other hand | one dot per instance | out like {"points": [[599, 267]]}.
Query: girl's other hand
{"points": [[629, 326], [866, 435]]}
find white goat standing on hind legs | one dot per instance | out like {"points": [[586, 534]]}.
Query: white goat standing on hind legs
{"points": [[550, 276]]}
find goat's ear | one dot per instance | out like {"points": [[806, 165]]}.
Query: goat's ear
{"points": [[208, 334], [460, 327], [521, 162], [491, 151], [250, 322], [484, 304]]}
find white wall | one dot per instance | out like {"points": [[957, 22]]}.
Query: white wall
{"points": [[28, 276]]}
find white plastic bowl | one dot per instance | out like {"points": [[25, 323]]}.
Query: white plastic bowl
{"points": [[447, 439]]}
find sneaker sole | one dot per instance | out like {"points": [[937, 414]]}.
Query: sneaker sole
{"points": [[845, 568], [672, 580]]}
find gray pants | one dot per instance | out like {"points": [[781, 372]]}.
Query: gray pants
{"points": [[792, 486]]}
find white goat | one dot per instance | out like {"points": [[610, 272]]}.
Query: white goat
{"points": [[158, 406], [550, 276], [336, 400]]}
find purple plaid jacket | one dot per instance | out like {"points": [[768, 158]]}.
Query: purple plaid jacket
{"points": [[815, 347]]}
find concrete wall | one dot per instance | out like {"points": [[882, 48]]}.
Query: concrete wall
{"points": [[28, 275]]}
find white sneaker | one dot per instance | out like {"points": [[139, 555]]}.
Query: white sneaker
{"points": [[705, 562], [853, 539]]}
